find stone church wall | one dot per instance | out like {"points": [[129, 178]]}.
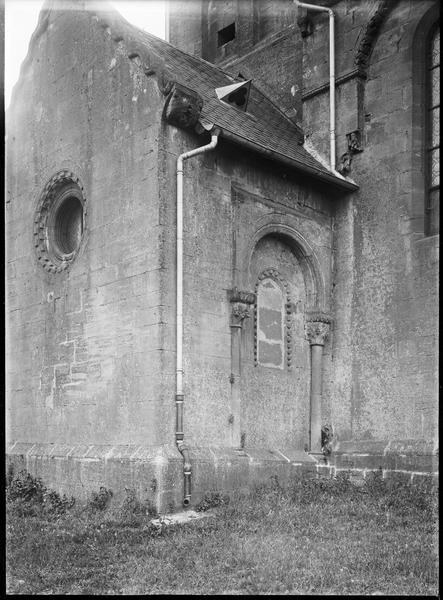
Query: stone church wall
{"points": [[91, 348], [228, 197], [386, 271], [84, 344], [381, 371]]}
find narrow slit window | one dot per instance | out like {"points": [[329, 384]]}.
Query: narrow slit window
{"points": [[225, 35]]}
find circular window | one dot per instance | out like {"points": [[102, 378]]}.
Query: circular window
{"points": [[59, 222], [68, 226]]}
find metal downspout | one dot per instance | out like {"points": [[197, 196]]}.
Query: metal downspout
{"points": [[332, 159], [179, 396]]}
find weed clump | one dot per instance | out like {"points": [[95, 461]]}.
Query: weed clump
{"points": [[401, 496], [26, 495], [100, 500], [388, 494], [24, 486], [272, 538], [212, 500], [134, 512], [302, 490]]}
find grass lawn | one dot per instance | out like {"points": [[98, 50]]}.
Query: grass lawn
{"points": [[311, 537]]}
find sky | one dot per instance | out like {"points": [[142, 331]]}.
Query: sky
{"points": [[21, 18]]}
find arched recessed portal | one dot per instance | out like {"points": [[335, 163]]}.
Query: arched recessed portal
{"points": [[275, 380], [301, 249]]}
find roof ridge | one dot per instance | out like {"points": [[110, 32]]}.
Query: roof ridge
{"points": [[213, 66], [221, 70]]}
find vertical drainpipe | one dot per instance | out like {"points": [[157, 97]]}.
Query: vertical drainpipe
{"points": [[167, 6], [179, 396], [331, 75]]}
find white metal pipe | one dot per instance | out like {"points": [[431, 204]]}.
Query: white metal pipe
{"points": [[179, 317], [314, 7], [180, 161]]}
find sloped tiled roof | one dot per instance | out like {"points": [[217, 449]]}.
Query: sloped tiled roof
{"points": [[264, 127]]}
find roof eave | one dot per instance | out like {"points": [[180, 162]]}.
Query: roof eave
{"points": [[330, 178]]}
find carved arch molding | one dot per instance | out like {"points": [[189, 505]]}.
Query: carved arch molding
{"points": [[370, 34], [309, 264]]}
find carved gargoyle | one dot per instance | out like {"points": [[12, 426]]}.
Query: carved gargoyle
{"points": [[183, 106]]}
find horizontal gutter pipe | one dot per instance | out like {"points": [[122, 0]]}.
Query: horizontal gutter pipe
{"points": [[331, 74], [179, 395], [293, 164]]}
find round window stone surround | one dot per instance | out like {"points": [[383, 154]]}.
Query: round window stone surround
{"points": [[59, 222]]}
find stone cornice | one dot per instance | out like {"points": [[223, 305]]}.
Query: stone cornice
{"points": [[235, 295], [231, 61], [321, 89], [317, 316]]}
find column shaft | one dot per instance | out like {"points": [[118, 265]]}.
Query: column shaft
{"points": [[316, 389], [235, 384]]}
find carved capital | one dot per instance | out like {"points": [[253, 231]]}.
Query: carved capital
{"points": [[240, 311], [316, 332]]}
